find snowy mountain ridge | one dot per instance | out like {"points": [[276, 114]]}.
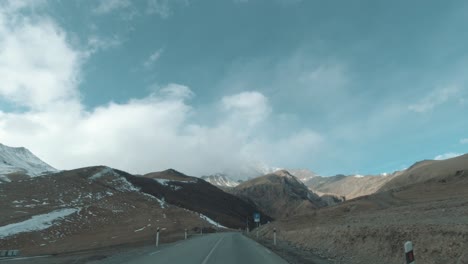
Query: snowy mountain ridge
{"points": [[21, 160], [220, 180]]}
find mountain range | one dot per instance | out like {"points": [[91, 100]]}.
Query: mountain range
{"points": [[43, 210]]}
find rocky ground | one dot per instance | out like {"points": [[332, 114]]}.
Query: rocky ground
{"points": [[290, 252]]}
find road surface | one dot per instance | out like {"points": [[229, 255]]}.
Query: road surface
{"points": [[225, 248]]}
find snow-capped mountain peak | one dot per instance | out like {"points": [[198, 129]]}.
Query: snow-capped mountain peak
{"points": [[21, 160], [221, 180]]}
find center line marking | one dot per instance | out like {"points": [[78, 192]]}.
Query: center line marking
{"points": [[212, 250], [156, 252]]}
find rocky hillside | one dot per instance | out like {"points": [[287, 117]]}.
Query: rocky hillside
{"points": [[348, 187], [279, 194], [426, 170], [85, 209], [428, 208], [303, 175], [20, 163], [197, 195]]}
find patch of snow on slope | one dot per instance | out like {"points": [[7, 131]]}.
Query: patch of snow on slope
{"points": [[168, 182], [209, 220], [162, 181], [121, 182], [220, 179], [162, 203], [36, 223], [141, 229], [13, 160], [102, 173], [125, 186], [4, 179]]}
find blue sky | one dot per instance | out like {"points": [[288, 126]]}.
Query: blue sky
{"points": [[209, 86]]}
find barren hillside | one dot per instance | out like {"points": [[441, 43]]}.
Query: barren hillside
{"points": [[85, 209], [197, 195], [429, 170], [349, 186], [279, 194], [372, 229]]}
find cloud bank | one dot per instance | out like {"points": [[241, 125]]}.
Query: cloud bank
{"points": [[41, 73]]}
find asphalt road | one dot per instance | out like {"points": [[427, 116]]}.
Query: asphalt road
{"points": [[225, 248]]}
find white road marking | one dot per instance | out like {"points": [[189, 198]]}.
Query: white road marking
{"points": [[176, 245], [23, 258], [212, 250], [156, 252], [269, 252]]}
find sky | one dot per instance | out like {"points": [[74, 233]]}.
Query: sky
{"points": [[232, 86]]}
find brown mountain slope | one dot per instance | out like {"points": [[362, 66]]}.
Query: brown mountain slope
{"points": [[428, 170], [104, 209], [279, 194], [372, 229], [197, 195], [348, 186]]}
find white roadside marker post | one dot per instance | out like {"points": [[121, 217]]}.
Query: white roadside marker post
{"points": [[185, 233], [157, 237], [274, 236], [409, 254]]}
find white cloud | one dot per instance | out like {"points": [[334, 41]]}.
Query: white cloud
{"points": [[153, 133], [98, 43], [141, 135], [464, 141], [177, 91], [153, 58], [435, 98], [107, 6], [164, 8], [447, 156], [159, 7], [14, 5], [37, 65], [251, 107]]}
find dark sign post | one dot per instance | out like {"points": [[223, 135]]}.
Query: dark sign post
{"points": [[256, 217], [409, 254]]}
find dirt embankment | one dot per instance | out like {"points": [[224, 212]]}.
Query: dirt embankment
{"points": [[291, 253]]}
